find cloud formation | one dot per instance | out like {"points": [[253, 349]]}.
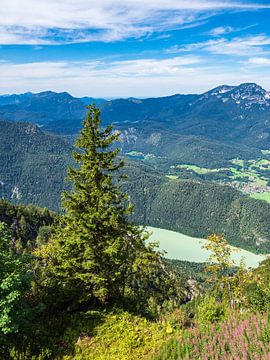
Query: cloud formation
{"points": [[237, 46], [139, 78], [72, 21], [259, 61]]}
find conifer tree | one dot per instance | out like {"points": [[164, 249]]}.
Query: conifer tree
{"points": [[97, 250]]}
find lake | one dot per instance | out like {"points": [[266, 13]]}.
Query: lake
{"points": [[183, 247]]}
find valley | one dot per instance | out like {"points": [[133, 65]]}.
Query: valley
{"points": [[183, 175], [249, 176], [185, 182]]}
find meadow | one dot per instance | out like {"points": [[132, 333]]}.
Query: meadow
{"points": [[255, 171], [262, 196]]}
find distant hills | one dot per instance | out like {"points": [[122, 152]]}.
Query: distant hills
{"points": [[223, 123], [207, 129], [33, 167], [44, 107]]}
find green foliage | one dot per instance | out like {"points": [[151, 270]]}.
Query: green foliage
{"points": [[189, 270], [255, 288], [119, 335], [209, 311], [27, 223], [200, 208], [97, 254], [15, 283], [219, 261], [33, 166]]}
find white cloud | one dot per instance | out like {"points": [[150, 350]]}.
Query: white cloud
{"points": [[224, 30], [221, 30], [49, 21], [260, 61], [39, 71], [239, 46], [139, 78]]}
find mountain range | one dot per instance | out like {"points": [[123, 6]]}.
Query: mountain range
{"points": [[37, 130], [206, 129]]}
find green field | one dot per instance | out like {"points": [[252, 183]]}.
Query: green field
{"points": [[252, 171], [182, 247], [262, 196]]}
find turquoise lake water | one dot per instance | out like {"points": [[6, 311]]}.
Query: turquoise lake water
{"points": [[183, 247]]}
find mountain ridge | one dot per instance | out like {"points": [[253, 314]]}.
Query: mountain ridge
{"points": [[226, 121]]}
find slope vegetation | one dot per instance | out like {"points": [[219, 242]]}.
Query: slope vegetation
{"points": [[32, 164]]}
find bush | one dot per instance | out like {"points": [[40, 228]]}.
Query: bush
{"points": [[210, 311]]}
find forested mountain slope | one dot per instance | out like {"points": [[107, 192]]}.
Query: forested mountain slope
{"points": [[33, 167], [32, 164], [29, 224], [45, 107], [198, 208], [227, 113]]}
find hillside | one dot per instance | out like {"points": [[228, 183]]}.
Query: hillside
{"points": [[93, 280], [44, 107], [227, 113], [32, 165], [198, 208]]}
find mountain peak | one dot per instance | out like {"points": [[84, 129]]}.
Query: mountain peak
{"points": [[245, 95], [52, 93], [222, 89], [251, 88], [250, 94]]}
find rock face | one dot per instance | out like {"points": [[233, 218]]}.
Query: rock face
{"points": [[194, 289], [249, 94]]}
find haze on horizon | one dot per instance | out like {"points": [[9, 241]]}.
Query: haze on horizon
{"points": [[132, 48]]}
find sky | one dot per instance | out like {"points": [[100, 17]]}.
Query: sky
{"points": [[138, 48]]}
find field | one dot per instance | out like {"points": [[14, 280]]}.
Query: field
{"points": [[182, 247], [262, 196], [249, 176]]}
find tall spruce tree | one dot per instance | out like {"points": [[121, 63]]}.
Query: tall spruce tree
{"points": [[98, 253]]}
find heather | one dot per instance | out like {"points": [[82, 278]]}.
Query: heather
{"points": [[238, 337]]}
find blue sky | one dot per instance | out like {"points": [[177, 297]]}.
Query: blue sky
{"points": [[122, 48]]}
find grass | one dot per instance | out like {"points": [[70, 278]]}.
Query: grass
{"points": [[239, 162], [238, 170], [172, 177], [262, 196], [195, 168], [120, 336]]}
